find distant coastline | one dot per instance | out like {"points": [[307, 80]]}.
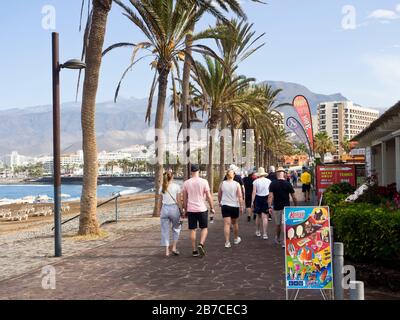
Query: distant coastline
{"points": [[144, 182], [113, 180]]}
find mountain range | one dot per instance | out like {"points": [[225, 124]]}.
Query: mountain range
{"points": [[118, 125]]}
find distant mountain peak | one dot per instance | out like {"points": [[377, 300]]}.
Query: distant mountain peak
{"points": [[118, 125], [291, 89]]}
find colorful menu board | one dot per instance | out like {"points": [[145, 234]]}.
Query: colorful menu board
{"points": [[308, 259]]}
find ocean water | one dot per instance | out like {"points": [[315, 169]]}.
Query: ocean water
{"points": [[69, 192]]}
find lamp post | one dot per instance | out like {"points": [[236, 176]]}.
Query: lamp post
{"points": [[56, 68]]}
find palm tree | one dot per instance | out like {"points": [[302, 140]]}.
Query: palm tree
{"points": [[209, 6], [262, 116], [323, 144], [218, 93], [236, 44], [88, 223], [346, 145], [165, 25]]}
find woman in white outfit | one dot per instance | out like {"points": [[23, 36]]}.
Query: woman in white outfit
{"points": [[170, 214], [231, 202]]}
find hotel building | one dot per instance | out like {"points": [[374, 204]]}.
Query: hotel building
{"points": [[343, 119]]}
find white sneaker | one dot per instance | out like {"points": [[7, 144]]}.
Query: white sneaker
{"points": [[258, 233], [237, 240], [265, 237], [283, 245], [228, 245]]}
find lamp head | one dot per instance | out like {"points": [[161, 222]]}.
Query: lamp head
{"points": [[73, 64]]}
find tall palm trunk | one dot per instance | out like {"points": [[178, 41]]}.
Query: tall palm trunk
{"points": [[88, 223], [257, 151], [266, 158], [261, 151], [159, 141], [185, 95], [222, 148], [210, 167]]}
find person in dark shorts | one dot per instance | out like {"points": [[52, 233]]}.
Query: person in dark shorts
{"points": [[271, 173], [195, 190], [260, 202], [271, 176], [305, 179], [279, 191], [248, 191], [238, 177], [230, 199]]}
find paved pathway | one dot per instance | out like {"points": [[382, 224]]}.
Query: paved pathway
{"points": [[133, 267]]}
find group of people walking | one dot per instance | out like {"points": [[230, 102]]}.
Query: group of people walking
{"points": [[261, 194]]}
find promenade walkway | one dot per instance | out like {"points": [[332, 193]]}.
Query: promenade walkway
{"points": [[134, 267]]}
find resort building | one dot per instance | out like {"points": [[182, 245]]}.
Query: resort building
{"points": [[382, 142], [14, 159], [343, 119]]}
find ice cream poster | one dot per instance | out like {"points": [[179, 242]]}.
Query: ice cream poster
{"points": [[308, 256]]}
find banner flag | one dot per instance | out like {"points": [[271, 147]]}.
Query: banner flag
{"points": [[302, 108], [294, 125]]}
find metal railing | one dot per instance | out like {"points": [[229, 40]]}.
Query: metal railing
{"points": [[115, 197]]}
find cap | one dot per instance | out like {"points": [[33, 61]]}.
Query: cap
{"points": [[194, 168]]}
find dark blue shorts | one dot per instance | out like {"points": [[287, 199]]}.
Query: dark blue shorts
{"points": [[261, 204]]}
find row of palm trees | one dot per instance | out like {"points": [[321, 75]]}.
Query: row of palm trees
{"points": [[127, 165], [210, 84]]}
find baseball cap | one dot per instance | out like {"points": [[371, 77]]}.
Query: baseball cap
{"points": [[194, 168]]}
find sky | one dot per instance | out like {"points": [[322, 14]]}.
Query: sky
{"points": [[331, 46]]}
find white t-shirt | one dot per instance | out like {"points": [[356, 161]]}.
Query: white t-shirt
{"points": [[262, 186], [173, 189], [229, 193]]}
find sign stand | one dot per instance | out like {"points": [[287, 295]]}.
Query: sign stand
{"points": [[328, 295]]}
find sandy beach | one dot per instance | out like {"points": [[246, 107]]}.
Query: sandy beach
{"points": [[7, 227]]}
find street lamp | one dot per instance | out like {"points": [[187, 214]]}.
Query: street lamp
{"points": [[56, 68]]}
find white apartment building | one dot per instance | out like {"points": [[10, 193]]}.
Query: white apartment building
{"points": [[105, 157], [340, 119], [15, 159]]}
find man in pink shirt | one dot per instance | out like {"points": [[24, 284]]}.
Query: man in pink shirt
{"points": [[195, 191]]}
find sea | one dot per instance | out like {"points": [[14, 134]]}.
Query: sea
{"points": [[16, 193]]}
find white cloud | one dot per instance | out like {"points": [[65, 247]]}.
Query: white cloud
{"points": [[384, 14], [386, 68]]}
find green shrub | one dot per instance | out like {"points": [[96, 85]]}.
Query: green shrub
{"points": [[343, 187], [332, 199], [368, 232]]}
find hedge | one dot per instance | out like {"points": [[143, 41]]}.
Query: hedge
{"points": [[368, 232]]}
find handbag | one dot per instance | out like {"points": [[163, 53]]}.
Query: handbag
{"points": [[180, 210]]}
